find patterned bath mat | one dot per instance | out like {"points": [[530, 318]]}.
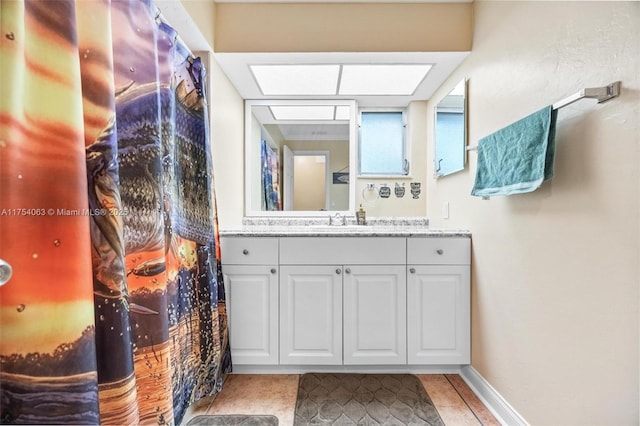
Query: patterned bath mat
{"points": [[364, 399], [233, 420]]}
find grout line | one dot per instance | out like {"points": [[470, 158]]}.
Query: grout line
{"points": [[463, 399]]}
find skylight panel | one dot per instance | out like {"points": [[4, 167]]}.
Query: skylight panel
{"points": [[293, 80], [392, 79]]}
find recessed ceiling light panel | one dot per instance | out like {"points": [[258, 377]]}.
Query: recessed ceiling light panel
{"points": [[296, 80], [311, 112], [391, 79]]}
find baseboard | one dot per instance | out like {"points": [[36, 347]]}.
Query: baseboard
{"points": [[374, 369], [494, 402]]}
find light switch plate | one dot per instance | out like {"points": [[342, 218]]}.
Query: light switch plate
{"points": [[445, 210]]}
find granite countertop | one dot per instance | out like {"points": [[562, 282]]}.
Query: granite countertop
{"points": [[319, 227]]}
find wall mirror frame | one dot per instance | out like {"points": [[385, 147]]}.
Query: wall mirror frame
{"points": [[450, 131], [278, 127]]}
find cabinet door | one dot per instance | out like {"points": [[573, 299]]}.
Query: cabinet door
{"points": [[438, 314], [252, 303], [375, 314], [311, 315]]}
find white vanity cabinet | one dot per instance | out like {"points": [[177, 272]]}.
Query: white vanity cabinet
{"points": [[438, 300], [342, 300], [250, 270]]}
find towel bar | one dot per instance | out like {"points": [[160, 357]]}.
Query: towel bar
{"points": [[602, 94]]}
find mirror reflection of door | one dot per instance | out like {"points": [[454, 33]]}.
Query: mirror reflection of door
{"points": [[288, 171], [311, 181]]}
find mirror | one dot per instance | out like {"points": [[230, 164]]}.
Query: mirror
{"points": [[451, 131], [299, 157]]}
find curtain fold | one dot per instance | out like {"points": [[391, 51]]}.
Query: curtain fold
{"points": [[270, 166], [115, 313]]}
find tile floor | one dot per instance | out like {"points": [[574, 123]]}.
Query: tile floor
{"points": [[276, 394]]}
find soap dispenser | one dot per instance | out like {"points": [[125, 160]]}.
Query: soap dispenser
{"points": [[361, 216]]}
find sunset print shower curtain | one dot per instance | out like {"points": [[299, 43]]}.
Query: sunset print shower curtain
{"points": [[270, 166], [115, 312]]}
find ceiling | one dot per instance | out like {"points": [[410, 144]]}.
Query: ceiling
{"points": [[236, 65], [237, 68]]}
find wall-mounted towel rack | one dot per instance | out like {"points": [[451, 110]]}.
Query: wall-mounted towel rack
{"points": [[602, 94]]}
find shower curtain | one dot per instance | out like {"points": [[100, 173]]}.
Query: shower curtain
{"points": [[270, 165], [115, 313]]}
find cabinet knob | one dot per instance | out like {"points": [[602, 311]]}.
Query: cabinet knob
{"points": [[412, 270], [273, 270], [338, 271], [245, 251], [348, 270], [440, 251]]}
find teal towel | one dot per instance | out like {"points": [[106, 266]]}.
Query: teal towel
{"points": [[517, 158]]}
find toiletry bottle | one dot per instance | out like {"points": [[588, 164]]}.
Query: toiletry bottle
{"points": [[362, 216]]}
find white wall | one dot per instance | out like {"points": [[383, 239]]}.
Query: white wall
{"points": [[227, 141], [555, 276]]}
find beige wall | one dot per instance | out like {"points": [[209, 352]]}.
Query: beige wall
{"points": [[343, 27], [418, 157], [555, 272], [202, 13]]}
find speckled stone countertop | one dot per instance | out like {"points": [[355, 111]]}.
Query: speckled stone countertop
{"points": [[319, 227]]}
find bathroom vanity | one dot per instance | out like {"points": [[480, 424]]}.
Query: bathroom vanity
{"points": [[347, 298]]}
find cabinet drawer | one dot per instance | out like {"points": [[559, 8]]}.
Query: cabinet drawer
{"points": [[438, 251], [343, 251], [249, 251]]}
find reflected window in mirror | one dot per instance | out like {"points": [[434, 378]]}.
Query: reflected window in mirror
{"points": [[299, 157], [451, 131]]}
